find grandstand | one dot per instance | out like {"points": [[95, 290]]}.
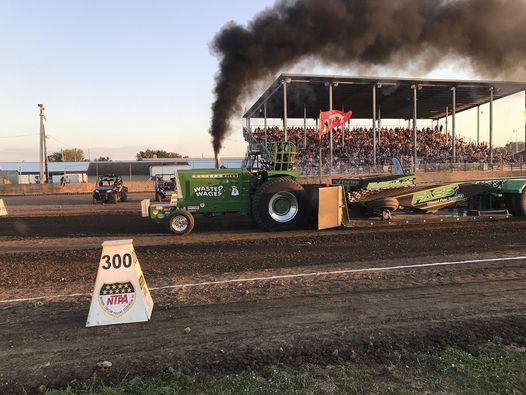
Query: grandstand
{"points": [[294, 97]]}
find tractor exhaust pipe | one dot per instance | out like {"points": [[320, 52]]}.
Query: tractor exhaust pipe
{"points": [[216, 159]]}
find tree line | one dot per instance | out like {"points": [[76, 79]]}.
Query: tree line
{"points": [[77, 155]]}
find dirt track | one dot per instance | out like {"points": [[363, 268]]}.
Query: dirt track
{"points": [[246, 324]]}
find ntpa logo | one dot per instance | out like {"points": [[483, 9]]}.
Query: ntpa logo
{"points": [[235, 191], [116, 298]]}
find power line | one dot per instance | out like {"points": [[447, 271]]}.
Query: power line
{"points": [[18, 135], [59, 141]]}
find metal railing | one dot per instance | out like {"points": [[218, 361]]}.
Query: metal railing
{"points": [[313, 169]]}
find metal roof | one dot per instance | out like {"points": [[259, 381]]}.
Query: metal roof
{"points": [[118, 167], [54, 167], [394, 96]]}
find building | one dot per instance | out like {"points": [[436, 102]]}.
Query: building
{"points": [[28, 172]]}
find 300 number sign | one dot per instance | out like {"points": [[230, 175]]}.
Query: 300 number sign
{"points": [[117, 261]]}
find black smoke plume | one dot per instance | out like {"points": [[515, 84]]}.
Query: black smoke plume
{"points": [[488, 34]]}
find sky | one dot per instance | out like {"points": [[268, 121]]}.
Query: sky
{"points": [[117, 77]]}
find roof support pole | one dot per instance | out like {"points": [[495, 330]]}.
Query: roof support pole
{"points": [[478, 125], [285, 111], [415, 113], [304, 126], [320, 149], [379, 121], [330, 144], [453, 126], [447, 124], [265, 122], [343, 129], [524, 120], [374, 125], [491, 125]]}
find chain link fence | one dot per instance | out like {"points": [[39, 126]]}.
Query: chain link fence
{"points": [[351, 168]]}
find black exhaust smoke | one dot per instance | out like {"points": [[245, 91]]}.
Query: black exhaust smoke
{"points": [[403, 34]]}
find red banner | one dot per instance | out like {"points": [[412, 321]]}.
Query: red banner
{"points": [[332, 119]]}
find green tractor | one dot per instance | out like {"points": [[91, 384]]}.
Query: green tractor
{"points": [[266, 189]]}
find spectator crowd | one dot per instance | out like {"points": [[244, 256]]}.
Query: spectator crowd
{"points": [[354, 147]]}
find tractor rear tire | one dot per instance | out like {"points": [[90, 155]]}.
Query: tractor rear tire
{"points": [[511, 203], [124, 196], [520, 204], [280, 204], [516, 203], [181, 222], [378, 206]]}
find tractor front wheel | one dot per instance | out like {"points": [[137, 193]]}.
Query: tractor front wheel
{"points": [[181, 222], [279, 204]]}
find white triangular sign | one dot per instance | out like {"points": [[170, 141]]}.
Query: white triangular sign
{"points": [[120, 295], [3, 210]]}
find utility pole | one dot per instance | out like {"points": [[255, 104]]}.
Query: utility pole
{"points": [[42, 140], [45, 156]]}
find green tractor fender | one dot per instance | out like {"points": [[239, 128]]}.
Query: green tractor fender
{"points": [[513, 186], [514, 192]]}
